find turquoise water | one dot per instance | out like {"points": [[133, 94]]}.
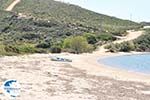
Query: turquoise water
{"points": [[136, 63]]}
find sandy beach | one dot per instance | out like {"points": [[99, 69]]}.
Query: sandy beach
{"points": [[43, 79], [89, 62]]}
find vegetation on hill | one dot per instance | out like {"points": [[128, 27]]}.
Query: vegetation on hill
{"points": [[145, 23], [5, 3], [141, 44], [122, 47], [67, 13], [49, 24]]}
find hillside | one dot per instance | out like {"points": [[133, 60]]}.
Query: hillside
{"points": [[140, 44], [5, 3], [145, 23], [47, 23], [49, 9]]}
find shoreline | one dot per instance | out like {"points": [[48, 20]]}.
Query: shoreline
{"points": [[123, 74], [89, 63], [43, 79]]}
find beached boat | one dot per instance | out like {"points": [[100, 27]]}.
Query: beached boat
{"points": [[60, 59]]}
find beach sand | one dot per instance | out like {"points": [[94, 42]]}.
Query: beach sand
{"points": [[89, 62], [43, 79]]}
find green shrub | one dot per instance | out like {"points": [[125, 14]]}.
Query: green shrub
{"points": [[55, 49], [112, 47], [119, 32], [43, 45], [143, 42], [2, 49], [8, 50], [123, 47], [91, 38], [127, 46], [40, 50], [77, 44], [105, 37], [11, 48], [26, 48], [30, 36]]}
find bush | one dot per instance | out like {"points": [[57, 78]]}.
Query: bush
{"points": [[11, 48], [112, 47], [77, 44], [91, 38], [40, 50], [26, 48], [127, 46], [19, 49], [143, 42], [30, 36], [106, 37], [119, 32], [43, 45], [2, 49], [123, 47], [55, 49]]}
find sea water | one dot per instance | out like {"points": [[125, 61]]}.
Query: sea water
{"points": [[136, 63]]}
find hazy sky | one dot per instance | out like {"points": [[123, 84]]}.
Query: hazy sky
{"points": [[137, 10]]}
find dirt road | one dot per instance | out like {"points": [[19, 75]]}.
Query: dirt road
{"points": [[130, 36], [12, 5]]}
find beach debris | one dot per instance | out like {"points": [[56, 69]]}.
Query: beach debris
{"points": [[54, 58]]}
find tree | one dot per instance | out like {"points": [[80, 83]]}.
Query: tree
{"points": [[77, 44]]}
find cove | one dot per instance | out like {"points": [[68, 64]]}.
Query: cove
{"points": [[136, 62]]}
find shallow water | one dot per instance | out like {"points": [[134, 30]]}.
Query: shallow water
{"points": [[135, 63]]}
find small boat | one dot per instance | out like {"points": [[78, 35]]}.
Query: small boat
{"points": [[60, 59]]}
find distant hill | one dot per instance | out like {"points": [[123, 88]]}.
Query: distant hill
{"points": [[68, 13], [145, 23], [47, 23]]}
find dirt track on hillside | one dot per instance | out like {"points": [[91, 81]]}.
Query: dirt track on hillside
{"points": [[130, 36], [12, 5]]}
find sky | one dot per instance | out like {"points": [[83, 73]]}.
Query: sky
{"points": [[135, 10]]}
